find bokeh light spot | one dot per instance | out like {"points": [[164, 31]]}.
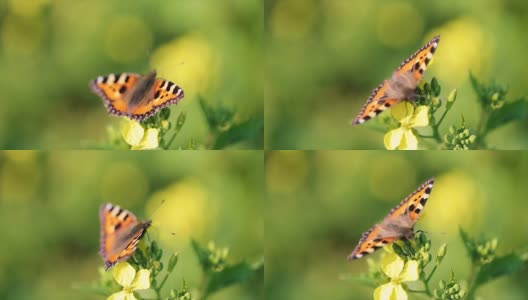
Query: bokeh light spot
{"points": [[398, 24], [27, 8], [189, 61], [127, 39], [464, 46], [292, 19], [455, 202], [186, 211], [21, 36]]}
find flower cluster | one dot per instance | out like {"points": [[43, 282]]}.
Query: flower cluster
{"points": [[459, 138], [151, 133], [449, 290]]}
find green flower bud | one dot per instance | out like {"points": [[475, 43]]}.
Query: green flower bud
{"points": [[493, 244], [436, 102], [172, 262], [441, 253], [495, 97], [398, 250], [452, 96], [181, 120], [442, 284], [472, 138]]}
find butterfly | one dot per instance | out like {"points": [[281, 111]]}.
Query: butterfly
{"points": [[402, 84], [399, 224], [120, 233], [135, 96]]}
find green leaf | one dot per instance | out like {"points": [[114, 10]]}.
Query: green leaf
{"points": [[509, 112], [216, 117], [232, 275], [469, 243], [202, 254], [249, 129], [500, 266]]}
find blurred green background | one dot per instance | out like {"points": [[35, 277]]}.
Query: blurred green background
{"points": [[49, 214], [50, 50], [325, 57], [320, 203]]}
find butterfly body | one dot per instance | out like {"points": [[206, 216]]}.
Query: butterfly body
{"points": [[397, 225], [135, 96], [120, 233], [402, 84]]}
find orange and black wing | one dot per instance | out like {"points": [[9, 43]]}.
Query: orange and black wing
{"points": [[378, 101], [413, 205], [376, 104], [112, 88], [370, 242], [419, 61], [163, 94], [114, 221]]}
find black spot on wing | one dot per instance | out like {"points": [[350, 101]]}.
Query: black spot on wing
{"points": [[157, 94], [169, 85], [423, 201], [122, 89], [412, 207]]}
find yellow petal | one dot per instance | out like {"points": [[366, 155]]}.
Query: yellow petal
{"points": [[398, 293], [149, 141], [142, 280], [132, 132], [408, 141], [410, 271], [420, 117], [130, 296], [392, 265], [390, 291], [118, 296], [402, 111], [393, 138], [124, 274]]}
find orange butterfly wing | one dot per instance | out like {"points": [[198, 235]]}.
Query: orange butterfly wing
{"points": [[417, 64], [112, 88], [115, 91], [412, 205], [164, 94], [419, 61], [376, 104], [120, 233]]}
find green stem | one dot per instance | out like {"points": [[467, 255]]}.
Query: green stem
{"points": [[441, 118], [163, 281], [431, 274], [203, 287], [172, 139], [472, 287]]}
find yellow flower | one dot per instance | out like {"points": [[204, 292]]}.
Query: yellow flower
{"points": [[399, 272], [139, 138], [403, 138], [131, 281]]}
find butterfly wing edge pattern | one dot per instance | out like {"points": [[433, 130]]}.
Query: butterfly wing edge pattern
{"points": [[384, 104], [368, 242]]}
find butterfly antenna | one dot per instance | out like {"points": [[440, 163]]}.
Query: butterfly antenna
{"points": [[157, 208]]}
